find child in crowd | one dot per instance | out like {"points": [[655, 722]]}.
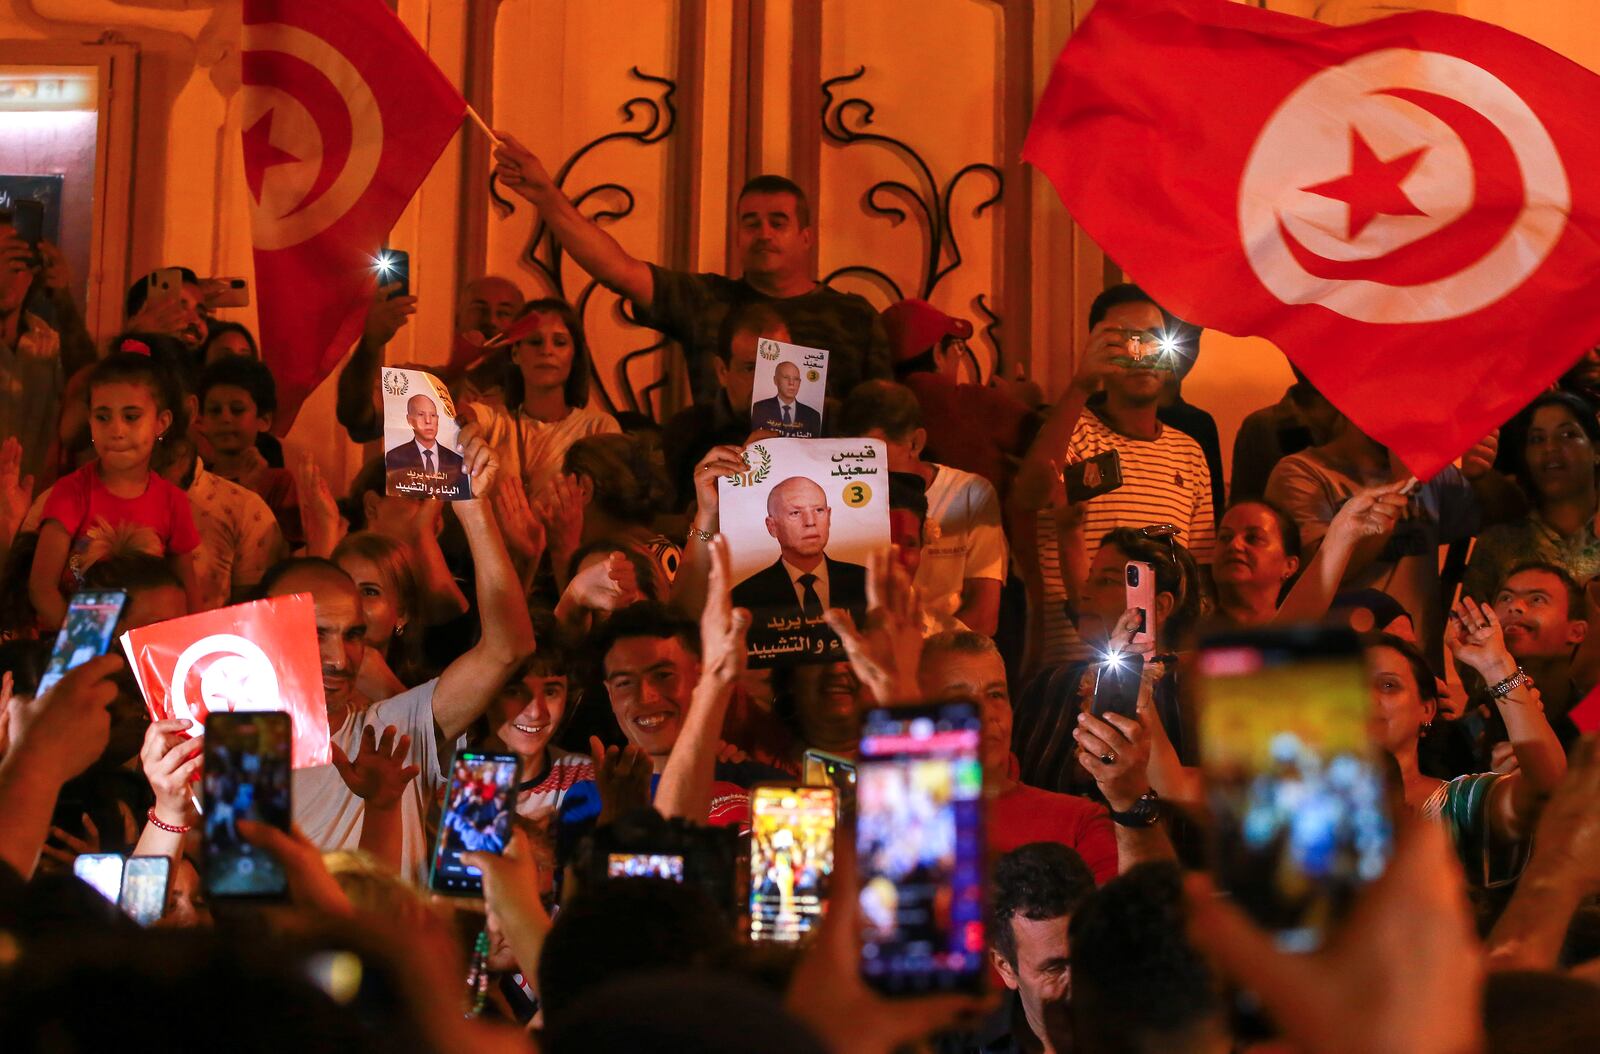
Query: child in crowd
{"points": [[131, 410], [237, 400]]}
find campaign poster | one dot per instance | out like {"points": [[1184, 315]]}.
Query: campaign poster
{"points": [[421, 442], [790, 388], [257, 656], [801, 521]]}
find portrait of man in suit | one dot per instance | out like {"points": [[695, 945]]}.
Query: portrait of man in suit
{"points": [[804, 579], [784, 413], [426, 455]]}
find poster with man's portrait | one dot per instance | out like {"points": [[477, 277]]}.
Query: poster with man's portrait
{"points": [[421, 452], [790, 386], [801, 521]]}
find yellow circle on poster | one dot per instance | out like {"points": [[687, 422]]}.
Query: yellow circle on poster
{"points": [[813, 376], [857, 494]]}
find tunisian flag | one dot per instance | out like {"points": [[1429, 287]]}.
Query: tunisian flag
{"points": [[344, 114], [1409, 207]]}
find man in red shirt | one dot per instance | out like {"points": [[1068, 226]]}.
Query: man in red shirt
{"points": [[965, 665]]}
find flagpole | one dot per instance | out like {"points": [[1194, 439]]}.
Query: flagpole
{"points": [[479, 121]]}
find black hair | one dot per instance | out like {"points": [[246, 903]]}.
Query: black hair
{"points": [[1116, 296], [1573, 589], [19, 619], [216, 328], [139, 291], [909, 491], [643, 619], [278, 571], [1176, 573], [1288, 529], [770, 184], [629, 480], [1421, 672], [239, 371], [1514, 436], [369, 479], [160, 373], [575, 393], [754, 317], [1137, 983], [882, 406], [132, 573], [1040, 880], [626, 926]]}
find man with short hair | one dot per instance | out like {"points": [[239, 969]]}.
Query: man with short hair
{"points": [[1541, 611], [182, 315], [967, 665], [784, 413], [435, 712], [1165, 478], [804, 576], [774, 237], [963, 563]]}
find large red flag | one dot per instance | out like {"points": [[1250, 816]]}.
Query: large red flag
{"points": [[1408, 207], [344, 114]]}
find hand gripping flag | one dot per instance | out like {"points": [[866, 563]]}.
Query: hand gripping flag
{"points": [[257, 656], [1409, 207], [344, 114]]}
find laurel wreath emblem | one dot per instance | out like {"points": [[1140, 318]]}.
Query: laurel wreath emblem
{"points": [[768, 349], [395, 382], [758, 472]]}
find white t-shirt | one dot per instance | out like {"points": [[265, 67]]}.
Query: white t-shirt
{"points": [[963, 539], [331, 816]]}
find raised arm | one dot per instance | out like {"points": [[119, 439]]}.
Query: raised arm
{"points": [[470, 683], [358, 407], [689, 587], [1030, 489], [1371, 513], [594, 250]]}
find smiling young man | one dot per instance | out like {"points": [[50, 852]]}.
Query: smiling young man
{"points": [[773, 237]]}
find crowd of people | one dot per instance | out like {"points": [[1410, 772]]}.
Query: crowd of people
{"points": [[577, 613]]}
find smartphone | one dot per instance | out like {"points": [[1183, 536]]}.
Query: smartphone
{"points": [[226, 292], [394, 266], [791, 858], [1092, 477], [920, 849], [27, 218], [85, 634], [477, 818], [164, 285], [1141, 597], [1296, 787], [822, 769], [645, 865], [144, 888], [1116, 686], [103, 871], [246, 770]]}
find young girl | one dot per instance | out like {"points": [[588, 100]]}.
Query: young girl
{"points": [[131, 400]]}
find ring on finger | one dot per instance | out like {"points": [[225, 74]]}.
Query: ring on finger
{"points": [[1109, 758]]}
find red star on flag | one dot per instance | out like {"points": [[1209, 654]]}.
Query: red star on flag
{"points": [[1372, 188], [260, 154]]}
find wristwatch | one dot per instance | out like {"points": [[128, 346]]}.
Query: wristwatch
{"points": [[1146, 812], [1511, 684]]}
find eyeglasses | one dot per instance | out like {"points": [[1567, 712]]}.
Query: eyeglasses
{"points": [[1164, 531]]}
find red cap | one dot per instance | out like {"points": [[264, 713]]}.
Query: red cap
{"points": [[915, 326]]}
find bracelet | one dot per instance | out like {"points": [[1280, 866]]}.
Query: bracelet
{"points": [[704, 536], [169, 828], [1510, 684]]}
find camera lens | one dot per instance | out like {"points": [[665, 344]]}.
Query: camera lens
{"points": [[1133, 576]]}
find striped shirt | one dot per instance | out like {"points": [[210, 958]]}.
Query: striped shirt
{"points": [[1164, 480]]}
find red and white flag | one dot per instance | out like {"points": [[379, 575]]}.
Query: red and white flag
{"points": [[344, 114], [1409, 208], [257, 656]]}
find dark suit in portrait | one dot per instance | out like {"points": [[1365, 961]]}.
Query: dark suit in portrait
{"points": [[404, 465], [768, 415]]}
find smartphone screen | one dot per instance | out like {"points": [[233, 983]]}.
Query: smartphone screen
{"points": [[920, 849], [246, 778], [645, 865], [144, 888], [394, 266], [1141, 597], [477, 818], [27, 218], [1297, 791], [1116, 686], [791, 859], [821, 769], [85, 633], [103, 871]]}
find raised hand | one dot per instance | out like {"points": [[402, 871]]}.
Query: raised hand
{"points": [[622, 775], [57, 271], [1115, 750], [1473, 635], [561, 510], [723, 627], [480, 462], [386, 317], [171, 762], [67, 728], [606, 585], [1371, 513], [1106, 343], [319, 512], [522, 530], [886, 650], [310, 884], [16, 490], [518, 170], [72, 847], [719, 461], [379, 774], [1479, 461]]}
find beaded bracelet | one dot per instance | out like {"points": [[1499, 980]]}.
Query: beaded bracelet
{"points": [[169, 828]]}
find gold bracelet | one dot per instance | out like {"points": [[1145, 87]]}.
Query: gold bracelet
{"points": [[704, 536]]}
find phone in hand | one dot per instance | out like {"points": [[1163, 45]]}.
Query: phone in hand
{"points": [[791, 858], [1116, 686], [246, 770], [144, 888], [1141, 597], [27, 219], [1296, 787], [818, 768], [477, 818], [225, 292], [920, 849], [85, 633], [103, 871], [165, 286], [394, 267], [1092, 477]]}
